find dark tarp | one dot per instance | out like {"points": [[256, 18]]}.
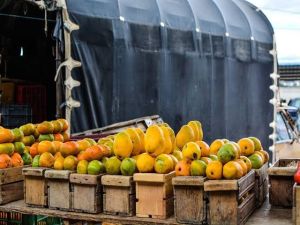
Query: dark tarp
{"points": [[182, 59]]}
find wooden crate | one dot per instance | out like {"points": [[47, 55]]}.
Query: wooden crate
{"points": [[59, 189], [281, 179], [35, 187], [87, 193], [231, 202], [296, 204], [261, 185], [11, 185], [154, 195], [118, 195], [189, 195]]}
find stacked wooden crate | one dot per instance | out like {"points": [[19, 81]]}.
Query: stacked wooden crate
{"points": [[231, 201], [11, 185], [281, 179]]}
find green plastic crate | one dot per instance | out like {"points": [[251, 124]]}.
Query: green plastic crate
{"points": [[14, 218]]}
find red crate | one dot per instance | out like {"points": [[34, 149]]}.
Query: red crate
{"points": [[36, 97]]}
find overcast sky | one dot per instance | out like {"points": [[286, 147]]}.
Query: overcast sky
{"points": [[285, 18]]}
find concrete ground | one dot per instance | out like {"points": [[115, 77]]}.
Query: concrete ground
{"points": [[271, 216]]}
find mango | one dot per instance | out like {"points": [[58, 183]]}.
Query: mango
{"points": [[247, 162], [214, 170], [227, 153], [28, 140], [70, 163], [122, 146], [154, 140], [95, 167], [232, 170], [185, 135], [163, 164], [59, 163], [215, 146], [112, 166], [142, 139], [198, 168], [46, 137], [178, 154], [257, 143], [7, 148], [19, 147], [36, 161], [247, 146], [46, 160], [18, 134], [191, 151], [91, 141], [145, 163], [27, 129], [82, 167], [168, 145], [206, 159], [195, 129], [27, 159], [183, 168], [136, 141], [128, 167]]}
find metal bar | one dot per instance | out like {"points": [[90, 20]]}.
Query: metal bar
{"points": [[26, 17]]}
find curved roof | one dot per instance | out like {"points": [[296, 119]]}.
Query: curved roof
{"points": [[233, 18]]}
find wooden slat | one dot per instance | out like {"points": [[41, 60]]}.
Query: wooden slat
{"points": [[223, 208], [246, 183], [59, 194], [58, 174], [87, 198], [230, 185], [191, 199], [117, 180], [34, 171], [36, 190], [117, 200], [153, 177], [11, 192], [19, 206], [246, 208], [262, 173], [282, 171], [11, 175], [85, 179], [280, 168], [117, 127], [221, 185], [188, 181]]}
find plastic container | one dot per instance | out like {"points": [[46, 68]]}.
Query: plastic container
{"points": [[12, 116]]}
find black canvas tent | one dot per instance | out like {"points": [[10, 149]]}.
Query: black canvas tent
{"points": [[182, 59]]}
